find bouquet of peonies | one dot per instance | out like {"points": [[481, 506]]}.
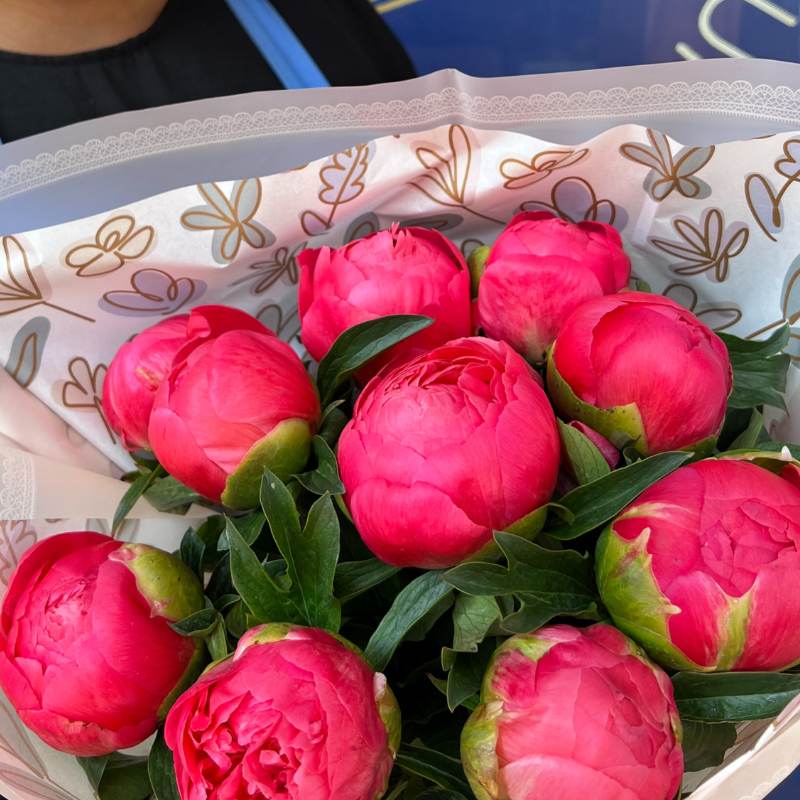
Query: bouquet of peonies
{"points": [[518, 500]]}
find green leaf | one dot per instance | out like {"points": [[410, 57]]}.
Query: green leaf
{"points": [[733, 696], [324, 479], [759, 369], [125, 778], [169, 494], [584, 458], [199, 624], [217, 642], [599, 501], [192, 550], [356, 577], [94, 767], [161, 770], [547, 582], [410, 606], [310, 555], [361, 343], [268, 601], [470, 703], [750, 436], [705, 744], [249, 526], [434, 766], [440, 794], [134, 492], [424, 626], [465, 675], [473, 615]]}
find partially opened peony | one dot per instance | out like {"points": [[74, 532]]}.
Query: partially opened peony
{"points": [[539, 270], [642, 370], [703, 569], [445, 449], [569, 714], [397, 271], [295, 713], [87, 656], [234, 402]]}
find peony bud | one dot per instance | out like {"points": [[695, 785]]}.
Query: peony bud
{"points": [[702, 570], [446, 448], [539, 270], [140, 365], [295, 713], [574, 715], [397, 271], [234, 402], [87, 656], [640, 369]]}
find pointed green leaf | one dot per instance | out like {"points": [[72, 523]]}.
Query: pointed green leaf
{"points": [[466, 673], [584, 458], [125, 778], [263, 596], [733, 696], [249, 526], [161, 770], [134, 492], [749, 437], [199, 624], [595, 503], [434, 766], [94, 767], [192, 550], [356, 577], [325, 477], [169, 494], [705, 744], [473, 615], [410, 606], [360, 344]]}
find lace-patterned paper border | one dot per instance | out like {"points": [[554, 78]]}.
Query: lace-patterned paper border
{"points": [[779, 103], [16, 485]]}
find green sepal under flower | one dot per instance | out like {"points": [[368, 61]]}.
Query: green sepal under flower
{"points": [[284, 451], [630, 593]]}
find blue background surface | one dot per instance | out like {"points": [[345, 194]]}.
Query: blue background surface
{"points": [[508, 37]]}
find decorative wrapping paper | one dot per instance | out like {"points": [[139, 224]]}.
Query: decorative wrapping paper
{"points": [[716, 228]]}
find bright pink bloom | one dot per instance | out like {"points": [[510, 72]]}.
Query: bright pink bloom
{"points": [[446, 448], [396, 271], [574, 715], [648, 353], [235, 401], [87, 656], [703, 569], [140, 365], [293, 714], [539, 270]]}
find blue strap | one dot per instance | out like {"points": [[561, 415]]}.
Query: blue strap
{"points": [[278, 44]]}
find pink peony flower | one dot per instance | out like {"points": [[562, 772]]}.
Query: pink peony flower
{"points": [[640, 369], [703, 568], [446, 448], [295, 713], [234, 402], [87, 656], [397, 271], [574, 715], [540, 269]]}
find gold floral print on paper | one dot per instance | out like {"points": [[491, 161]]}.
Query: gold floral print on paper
{"points": [[706, 246], [574, 200], [27, 350], [342, 181], [719, 317], [282, 263], [669, 172], [16, 536], [519, 173], [117, 240], [153, 292], [231, 218], [447, 172], [84, 388], [285, 325], [764, 200], [20, 288]]}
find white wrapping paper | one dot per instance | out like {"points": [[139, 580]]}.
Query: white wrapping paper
{"points": [[714, 227]]}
